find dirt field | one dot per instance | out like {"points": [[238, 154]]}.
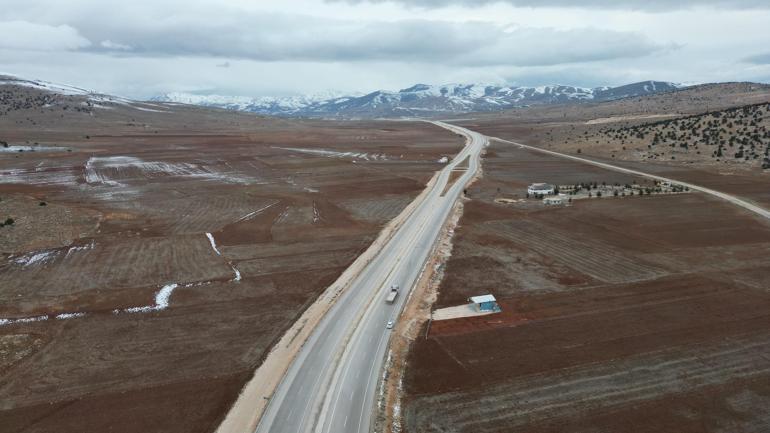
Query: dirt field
{"points": [[643, 314], [174, 248]]}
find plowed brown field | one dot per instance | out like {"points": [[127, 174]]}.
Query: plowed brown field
{"points": [[206, 224], [632, 314]]}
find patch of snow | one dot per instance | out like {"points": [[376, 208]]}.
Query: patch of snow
{"points": [[36, 258], [32, 319], [38, 176], [334, 154], [98, 169], [443, 160], [17, 149], [213, 243], [161, 301], [89, 246], [65, 316], [237, 273], [23, 320], [93, 176], [152, 110]]}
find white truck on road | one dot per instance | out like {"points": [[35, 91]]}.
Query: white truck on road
{"points": [[392, 295]]}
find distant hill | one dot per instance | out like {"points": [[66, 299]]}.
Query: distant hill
{"points": [[421, 100], [21, 95]]}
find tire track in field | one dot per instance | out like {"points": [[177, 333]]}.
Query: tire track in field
{"points": [[598, 260], [576, 391]]}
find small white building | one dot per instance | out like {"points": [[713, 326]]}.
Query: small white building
{"points": [[540, 189], [557, 200]]}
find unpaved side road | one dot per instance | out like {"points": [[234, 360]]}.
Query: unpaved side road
{"points": [[730, 198]]}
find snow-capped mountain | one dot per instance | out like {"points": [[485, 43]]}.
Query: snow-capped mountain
{"points": [[421, 99], [289, 105]]}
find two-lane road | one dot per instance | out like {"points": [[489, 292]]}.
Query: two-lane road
{"points": [[331, 385]]}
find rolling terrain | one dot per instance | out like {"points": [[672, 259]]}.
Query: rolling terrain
{"points": [[718, 128], [635, 313], [153, 253], [159, 251]]}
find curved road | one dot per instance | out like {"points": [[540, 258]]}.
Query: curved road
{"points": [[331, 385]]}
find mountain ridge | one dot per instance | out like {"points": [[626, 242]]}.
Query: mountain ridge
{"points": [[421, 99]]}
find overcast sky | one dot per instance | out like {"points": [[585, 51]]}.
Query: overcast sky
{"points": [[143, 48]]}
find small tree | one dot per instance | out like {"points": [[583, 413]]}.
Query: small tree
{"points": [[9, 221]]}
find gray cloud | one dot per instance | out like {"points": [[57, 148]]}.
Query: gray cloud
{"points": [[758, 59], [25, 35], [144, 47], [646, 5], [114, 46], [280, 37]]}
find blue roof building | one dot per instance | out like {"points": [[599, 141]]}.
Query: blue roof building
{"points": [[485, 302]]}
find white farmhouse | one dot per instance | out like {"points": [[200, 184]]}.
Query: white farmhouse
{"points": [[540, 189]]}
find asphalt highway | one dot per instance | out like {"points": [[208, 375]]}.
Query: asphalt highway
{"points": [[331, 385]]}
